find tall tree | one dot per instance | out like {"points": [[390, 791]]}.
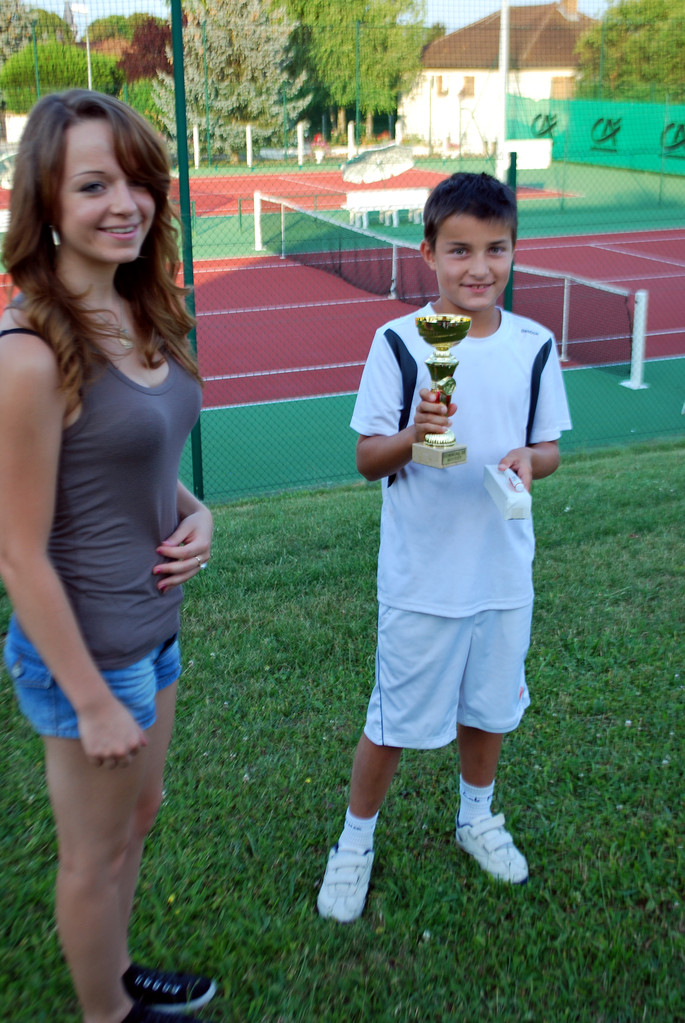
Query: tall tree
{"points": [[148, 52], [15, 28], [358, 51], [50, 26], [635, 52], [59, 67], [146, 55], [236, 69], [114, 26]]}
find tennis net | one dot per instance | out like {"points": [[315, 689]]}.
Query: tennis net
{"points": [[366, 259], [596, 324]]}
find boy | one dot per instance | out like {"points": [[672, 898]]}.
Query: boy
{"points": [[454, 577]]}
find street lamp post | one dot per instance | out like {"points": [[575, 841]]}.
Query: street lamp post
{"points": [[204, 53], [501, 136], [83, 9], [35, 58]]}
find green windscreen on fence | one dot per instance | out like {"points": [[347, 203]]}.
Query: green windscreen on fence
{"points": [[635, 136]]}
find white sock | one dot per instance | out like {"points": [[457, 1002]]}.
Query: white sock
{"points": [[358, 832], [475, 802]]}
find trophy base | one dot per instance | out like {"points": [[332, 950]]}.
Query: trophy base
{"points": [[438, 458]]}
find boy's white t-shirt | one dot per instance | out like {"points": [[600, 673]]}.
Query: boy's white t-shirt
{"points": [[445, 548]]}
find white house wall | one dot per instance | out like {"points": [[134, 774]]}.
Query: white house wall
{"points": [[438, 113]]}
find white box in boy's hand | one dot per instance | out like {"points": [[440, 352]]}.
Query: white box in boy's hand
{"points": [[508, 492]]}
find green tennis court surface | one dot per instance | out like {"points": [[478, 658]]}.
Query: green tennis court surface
{"points": [[256, 450]]}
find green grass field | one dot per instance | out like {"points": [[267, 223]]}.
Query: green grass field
{"points": [[279, 647]]}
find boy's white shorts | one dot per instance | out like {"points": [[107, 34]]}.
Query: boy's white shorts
{"points": [[433, 672]]}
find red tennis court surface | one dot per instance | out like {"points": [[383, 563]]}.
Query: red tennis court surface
{"points": [[270, 329], [654, 261], [227, 195], [261, 344]]}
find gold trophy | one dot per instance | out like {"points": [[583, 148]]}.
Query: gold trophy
{"points": [[441, 332]]}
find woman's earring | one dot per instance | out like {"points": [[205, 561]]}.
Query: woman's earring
{"points": [[56, 240]]}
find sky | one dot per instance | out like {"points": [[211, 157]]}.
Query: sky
{"points": [[452, 13], [103, 8], [457, 13]]}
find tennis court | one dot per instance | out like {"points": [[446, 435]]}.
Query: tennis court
{"points": [[282, 344], [228, 195], [258, 342]]}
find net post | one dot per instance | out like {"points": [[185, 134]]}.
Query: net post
{"points": [[258, 244], [282, 231], [564, 357], [637, 355], [393, 281]]}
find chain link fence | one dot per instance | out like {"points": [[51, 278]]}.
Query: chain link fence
{"points": [[267, 119]]}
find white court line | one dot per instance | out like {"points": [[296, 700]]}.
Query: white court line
{"points": [[279, 264], [351, 394], [300, 183], [298, 305], [280, 401], [618, 245], [581, 241], [356, 364], [282, 372], [638, 255], [638, 239], [560, 274], [664, 331]]}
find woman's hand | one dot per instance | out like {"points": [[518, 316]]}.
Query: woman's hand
{"points": [[109, 735], [187, 549]]}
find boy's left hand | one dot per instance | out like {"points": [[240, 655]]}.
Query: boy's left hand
{"points": [[533, 462], [521, 461]]}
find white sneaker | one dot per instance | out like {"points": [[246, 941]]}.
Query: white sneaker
{"points": [[343, 890], [489, 843]]}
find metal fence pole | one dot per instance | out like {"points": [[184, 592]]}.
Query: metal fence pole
{"points": [[511, 181], [186, 217]]}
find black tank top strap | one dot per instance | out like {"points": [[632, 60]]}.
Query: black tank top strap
{"points": [[19, 330]]}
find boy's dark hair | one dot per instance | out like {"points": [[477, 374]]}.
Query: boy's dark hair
{"points": [[479, 195]]}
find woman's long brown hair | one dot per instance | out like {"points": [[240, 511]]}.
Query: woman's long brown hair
{"points": [[30, 254]]}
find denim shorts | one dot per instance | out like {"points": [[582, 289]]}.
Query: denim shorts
{"points": [[44, 704]]}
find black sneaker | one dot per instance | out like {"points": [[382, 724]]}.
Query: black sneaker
{"points": [[167, 992]]}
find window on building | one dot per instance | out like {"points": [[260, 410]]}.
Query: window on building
{"points": [[441, 86], [468, 89], [562, 88]]}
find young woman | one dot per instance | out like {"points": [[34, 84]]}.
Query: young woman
{"points": [[98, 393]]}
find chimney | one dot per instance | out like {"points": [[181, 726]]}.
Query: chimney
{"points": [[569, 8]]}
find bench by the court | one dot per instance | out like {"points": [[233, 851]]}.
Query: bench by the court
{"points": [[387, 202]]}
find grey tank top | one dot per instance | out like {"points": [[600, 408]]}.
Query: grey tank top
{"points": [[116, 502]]}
